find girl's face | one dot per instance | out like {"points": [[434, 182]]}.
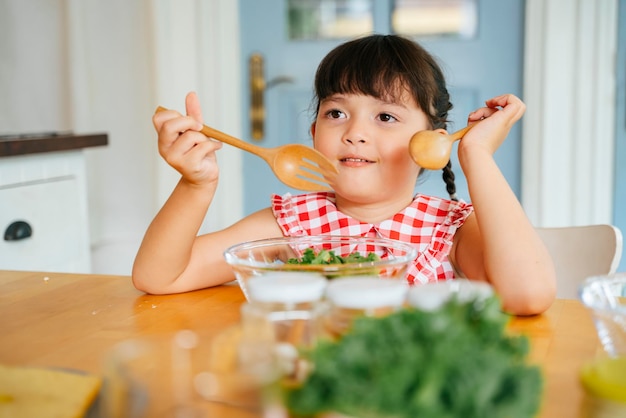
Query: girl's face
{"points": [[368, 139]]}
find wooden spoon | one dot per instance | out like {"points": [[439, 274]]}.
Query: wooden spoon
{"points": [[431, 149], [296, 165]]}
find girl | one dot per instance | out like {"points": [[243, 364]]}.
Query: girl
{"points": [[372, 95]]}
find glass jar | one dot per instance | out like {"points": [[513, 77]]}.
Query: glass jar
{"points": [[352, 297], [285, 309], [431, 296]]}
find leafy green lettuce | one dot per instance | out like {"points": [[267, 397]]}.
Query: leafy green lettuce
{"points": [[455, 362], [309, 256]]}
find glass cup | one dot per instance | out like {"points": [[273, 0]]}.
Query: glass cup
{"points": [[603, 378], [605, 297], [183, 375]]}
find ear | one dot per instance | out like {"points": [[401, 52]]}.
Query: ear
{"points": [[313, 131], [441, 131]]}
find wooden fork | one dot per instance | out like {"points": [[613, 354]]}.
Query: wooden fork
{"points": [[296, 165]]}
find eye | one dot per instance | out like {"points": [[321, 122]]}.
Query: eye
{"points": [[386, 117], [335, 114]]}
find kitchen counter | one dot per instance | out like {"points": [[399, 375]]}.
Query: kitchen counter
{"points": [[44, 215], [12, 145]]}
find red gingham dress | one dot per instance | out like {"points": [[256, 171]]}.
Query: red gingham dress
{"points": [[429, 223]]}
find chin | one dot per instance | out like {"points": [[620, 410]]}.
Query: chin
{"points": [[360, 193]]}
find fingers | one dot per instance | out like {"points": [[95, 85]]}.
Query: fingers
{"points": [[193, 155], [178, 123], [505, 100], [188, 150], [480, 114], [180, 135], [511, 106], [170, 124]]}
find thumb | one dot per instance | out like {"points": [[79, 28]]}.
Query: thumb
{"points": [[192, 106]]}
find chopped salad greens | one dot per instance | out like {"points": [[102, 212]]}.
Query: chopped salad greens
{"points": [[309, 256], [457, 361]]}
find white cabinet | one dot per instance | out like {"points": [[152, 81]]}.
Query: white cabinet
{"points": [[45, 192]]}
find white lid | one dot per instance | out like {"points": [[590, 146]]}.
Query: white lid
{"points": [[287, 287], [430, 296], [366, 292]]}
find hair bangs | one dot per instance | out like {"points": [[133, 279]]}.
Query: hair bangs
{"points": [[373, 72], [386, 67]]}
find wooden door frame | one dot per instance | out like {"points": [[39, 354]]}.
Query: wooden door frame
{"points": [[196, 47], [568, 136]]}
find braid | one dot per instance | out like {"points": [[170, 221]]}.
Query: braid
{"points": [[448, 178], [439, 119]]}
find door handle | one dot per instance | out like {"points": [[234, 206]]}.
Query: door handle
{"points": [[258, 86], [17, 231]]}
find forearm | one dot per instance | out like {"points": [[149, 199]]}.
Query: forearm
{"points": [[515, 259], [167, 245]]}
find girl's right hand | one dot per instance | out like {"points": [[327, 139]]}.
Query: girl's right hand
{"points": [[184, 147]]}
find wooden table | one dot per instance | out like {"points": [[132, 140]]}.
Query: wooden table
{"points": [[72, 320]]}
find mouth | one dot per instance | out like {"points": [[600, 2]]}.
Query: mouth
{"points": [[355, 160]]}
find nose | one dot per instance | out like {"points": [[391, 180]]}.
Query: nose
{"points": [[354, 141], [355, 134]]}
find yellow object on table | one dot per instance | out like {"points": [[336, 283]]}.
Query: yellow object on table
{"points": [[604, 381], [27, 392]]}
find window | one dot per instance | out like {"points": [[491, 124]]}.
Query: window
{"points": [[425, 18], [337, 19], [329, 19]]}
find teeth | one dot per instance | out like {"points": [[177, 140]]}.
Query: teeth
{"points": [[356, 160]]}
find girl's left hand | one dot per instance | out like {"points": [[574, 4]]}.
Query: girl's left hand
{"points": [[496, 120]]}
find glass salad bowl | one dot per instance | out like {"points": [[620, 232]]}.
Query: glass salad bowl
{"points": [[329, 256]]}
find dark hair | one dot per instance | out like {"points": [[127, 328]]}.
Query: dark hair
{"points": [[382, 66]]}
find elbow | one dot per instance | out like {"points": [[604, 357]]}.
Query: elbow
{"points": [[529, 306], [139, 278], [141, 284], [144, 282], [149, 288], [533, 299]]}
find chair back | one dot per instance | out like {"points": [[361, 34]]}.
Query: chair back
{"points": [[581, 251]]}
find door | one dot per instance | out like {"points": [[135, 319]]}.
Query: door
{"points": [[477, 68]]}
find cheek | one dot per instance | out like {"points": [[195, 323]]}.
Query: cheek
{"points": [[325, 147], [400, 160], [398, 154]]}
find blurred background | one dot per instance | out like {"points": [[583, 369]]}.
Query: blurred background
{"points": [[88, 66]]}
